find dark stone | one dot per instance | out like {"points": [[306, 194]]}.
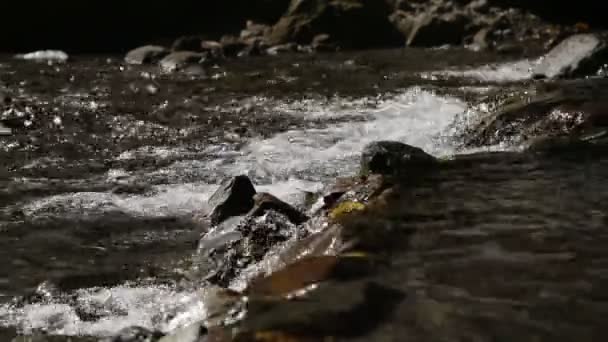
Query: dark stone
{"points": [[335, 190], [351, 23], [131, 189], [146, 54], [254, 47], [265, 202], [5, 99], [254, 30], [576, 56], [232, 45], [213, 48], [135, 334], [390, 157], [241, 243], [180, 60], [5, 130], [234, 197]]}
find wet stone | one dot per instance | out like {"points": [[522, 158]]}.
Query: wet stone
{"points": [[179, 60], [578, 55], [234, 197], [246, 243], [146, 54], [391, 157], [265, 202]]}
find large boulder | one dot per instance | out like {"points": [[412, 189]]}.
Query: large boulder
{"points": [[351, 23], [146, 54], [234, 197], [391, 157], [578, 55]]}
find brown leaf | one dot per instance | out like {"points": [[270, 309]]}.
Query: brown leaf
{"points": [[293, 277]]}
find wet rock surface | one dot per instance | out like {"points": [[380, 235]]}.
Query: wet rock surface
{"points": [[578, 55], [234, 197], [392, 157], [146, 54]]}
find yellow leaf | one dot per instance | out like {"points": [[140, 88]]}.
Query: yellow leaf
{"points": [[346, 208]]}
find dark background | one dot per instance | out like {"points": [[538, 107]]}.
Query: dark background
{"points": [[116, 26]]}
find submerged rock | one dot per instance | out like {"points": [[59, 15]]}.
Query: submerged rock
{"points": [[391, 157], [179, 60], [146, 54], [135, 334], [578, 55], [234, 197]]}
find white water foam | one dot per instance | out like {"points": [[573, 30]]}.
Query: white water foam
{"points": [[505, 72], [154, 307], [286, 165]]}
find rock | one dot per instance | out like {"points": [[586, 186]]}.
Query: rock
{"points": [[234, 197], [188, 43], [578, 55], [571, 108], [283, 48], [240, 243], [212, 47], [351, 23], [339, 187], [135, 334], [254, 30], [45, 56], [322, 42], [253, 48], [179, 60], [431, 28], [146, 54], [265, 202], [5, 99], [232, 45], [390, 157], [5, 130]]}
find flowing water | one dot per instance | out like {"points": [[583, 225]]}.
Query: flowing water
{"points": [[108, 164]]}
